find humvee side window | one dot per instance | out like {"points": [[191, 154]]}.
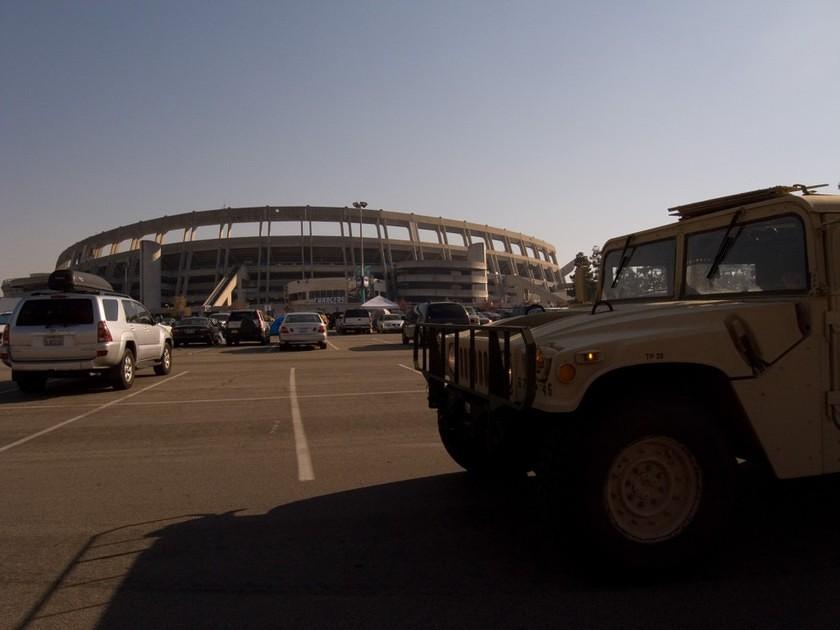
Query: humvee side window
{"points": [[648, 271], [762, 256]]}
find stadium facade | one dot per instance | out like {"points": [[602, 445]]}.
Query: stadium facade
{"points": [[306, 255]]}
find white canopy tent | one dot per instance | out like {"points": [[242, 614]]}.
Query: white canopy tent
{"points": [[380, 302]]}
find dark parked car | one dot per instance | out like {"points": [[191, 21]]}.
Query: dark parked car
{"points": [[197, 330]]}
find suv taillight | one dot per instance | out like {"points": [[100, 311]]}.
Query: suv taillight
{"points": [[283, 329], [322, 328], [5, 342], [103, 334]]}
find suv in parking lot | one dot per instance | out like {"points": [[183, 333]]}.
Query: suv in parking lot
{"points": [[78, 327], [433, 313], [356, 320], [247, 325]]}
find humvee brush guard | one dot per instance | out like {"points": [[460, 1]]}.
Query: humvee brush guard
{"points": [[713, 338]]}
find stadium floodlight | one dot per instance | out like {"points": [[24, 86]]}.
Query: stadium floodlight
{"points": [[361, 205]]}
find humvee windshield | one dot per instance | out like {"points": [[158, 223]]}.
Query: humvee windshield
{"points": [[648, 271], [763, 256], [756, 257]]}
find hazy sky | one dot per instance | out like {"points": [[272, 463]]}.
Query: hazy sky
{"points": [[572, 122]]}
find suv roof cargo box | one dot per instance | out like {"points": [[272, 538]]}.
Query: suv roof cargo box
{"points": [[75, 281]]}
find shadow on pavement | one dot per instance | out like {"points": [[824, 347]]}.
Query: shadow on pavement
{"points": [[67, 387], [258, 349], [380, 347], [447, 551]]}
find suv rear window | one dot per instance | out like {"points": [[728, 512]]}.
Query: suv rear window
{"points": [[357, 312], [238, 316], [447, 314], [56, 312]]}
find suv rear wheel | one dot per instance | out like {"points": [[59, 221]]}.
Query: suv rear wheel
{"points": [[122, 374], [30, 382], [165, 365]]}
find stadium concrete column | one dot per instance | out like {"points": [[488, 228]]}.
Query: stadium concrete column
{"points": [[443, 239], [478, 253], [150, 270], [414, 235], [382, 248]]}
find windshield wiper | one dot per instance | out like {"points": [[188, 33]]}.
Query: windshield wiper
{"points": [[726, 243], [623, 262]]}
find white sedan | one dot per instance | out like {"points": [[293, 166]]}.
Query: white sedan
{"points": [[305, 329], [390, 323]]}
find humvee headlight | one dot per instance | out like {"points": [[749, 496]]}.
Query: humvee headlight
{"points": [[566, 373], [589, 356]]}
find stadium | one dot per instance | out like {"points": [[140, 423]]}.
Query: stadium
{"points": [[317, 256]]}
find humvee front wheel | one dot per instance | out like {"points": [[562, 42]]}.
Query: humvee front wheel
{"points": [[653, 489], [649, 487], [480, 443]]}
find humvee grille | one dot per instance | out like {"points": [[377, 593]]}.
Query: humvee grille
{"points": [[482, 362]]}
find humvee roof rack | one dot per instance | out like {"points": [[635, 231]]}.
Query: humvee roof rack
{"points": [[70, 281], [730, 201]]}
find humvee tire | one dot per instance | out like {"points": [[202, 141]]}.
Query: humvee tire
{"points": [[649, 487], [478, 444]]}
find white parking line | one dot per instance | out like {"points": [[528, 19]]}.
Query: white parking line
{"points": [[332, 345], [411, 369], [87, 413], [305, 472]]}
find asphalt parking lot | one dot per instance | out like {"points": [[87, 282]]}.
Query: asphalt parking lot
{"points": [[255, 487]]}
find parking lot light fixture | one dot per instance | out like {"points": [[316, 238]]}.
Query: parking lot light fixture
{"points": [[361, 205]]}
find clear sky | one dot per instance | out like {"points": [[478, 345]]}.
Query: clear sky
{"points": [[572, 122]]}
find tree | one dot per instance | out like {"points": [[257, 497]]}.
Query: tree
{"points": [[589, 266]]}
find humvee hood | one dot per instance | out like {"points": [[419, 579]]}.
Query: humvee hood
{"points": [[774, 325]]}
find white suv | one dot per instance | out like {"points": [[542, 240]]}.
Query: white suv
{"points": [[81, 327]]}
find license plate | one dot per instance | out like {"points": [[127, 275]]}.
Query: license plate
{"points": [[54, 340]]}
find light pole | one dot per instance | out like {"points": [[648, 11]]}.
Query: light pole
{"points": [[361, 205]]}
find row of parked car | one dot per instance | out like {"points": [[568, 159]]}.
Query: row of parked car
{"points": [[251, 325], [79, 325]]}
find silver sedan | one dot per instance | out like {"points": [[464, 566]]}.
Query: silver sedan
{"points": [[305, 329]]}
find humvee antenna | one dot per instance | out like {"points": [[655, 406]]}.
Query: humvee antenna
{"points": [[808, 189]]}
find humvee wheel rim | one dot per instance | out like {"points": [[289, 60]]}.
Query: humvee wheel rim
{"points": [[653, 489]]}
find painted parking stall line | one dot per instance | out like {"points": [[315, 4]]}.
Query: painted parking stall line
{"points": [[81, 416], [304, 461], [410, 369]]}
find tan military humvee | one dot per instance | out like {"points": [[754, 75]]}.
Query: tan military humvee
{"points": [[714, 338]]}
